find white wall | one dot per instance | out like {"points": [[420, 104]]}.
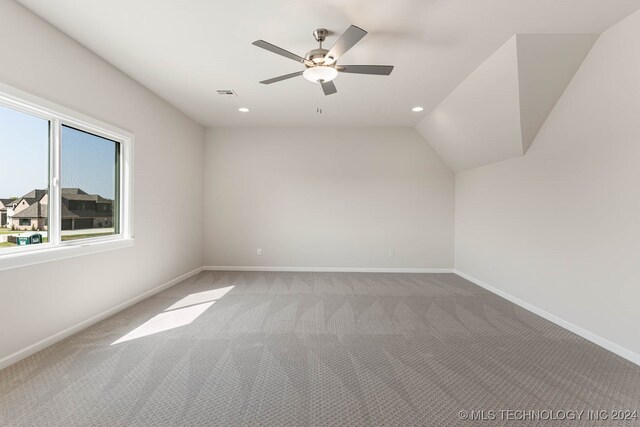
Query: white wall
{"points": [[39, 301], [559, 227], [326, 198]]}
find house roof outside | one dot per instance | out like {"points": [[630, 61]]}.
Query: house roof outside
{"points": [[39, 210], [36, 210], [4, 203], [32, 197], [78, 194], [67, 194], [73, 190]]}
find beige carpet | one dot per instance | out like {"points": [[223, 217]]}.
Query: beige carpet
{"points": [[230, 348]]}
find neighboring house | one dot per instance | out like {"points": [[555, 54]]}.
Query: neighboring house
{"points": [[4, 205], [80, 211], [29, 211]]}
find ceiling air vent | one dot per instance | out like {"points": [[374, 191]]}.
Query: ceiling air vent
{"points": [[225, 92]]}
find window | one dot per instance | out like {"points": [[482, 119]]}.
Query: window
{"points": [[63, 176], [89, 173], [24, 173]]}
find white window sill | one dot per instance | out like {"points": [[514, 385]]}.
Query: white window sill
{"points": [[45, 253]]}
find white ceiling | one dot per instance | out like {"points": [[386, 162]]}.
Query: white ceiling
{"points": [[185, 50]]}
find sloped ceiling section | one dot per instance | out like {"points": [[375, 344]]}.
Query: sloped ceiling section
{"points": [[479, 122], [497, 111], [546, 65]]}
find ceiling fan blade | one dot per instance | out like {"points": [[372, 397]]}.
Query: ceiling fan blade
{"points": [[280, 78], [346, 41], [329, 88], [280, 51], [380, 70]]}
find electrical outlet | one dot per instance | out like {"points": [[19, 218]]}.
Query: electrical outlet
{"points": [[392, 252], [259, 252]]}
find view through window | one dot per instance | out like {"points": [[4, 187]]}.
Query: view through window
{"points": [[89, 203], [24, 178], [89, 176]]}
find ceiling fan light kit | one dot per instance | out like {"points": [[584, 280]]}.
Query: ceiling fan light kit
{"points": [[322, 64], [320, 74]]}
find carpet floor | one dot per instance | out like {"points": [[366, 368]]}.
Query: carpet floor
{"points": [[285, 349]]}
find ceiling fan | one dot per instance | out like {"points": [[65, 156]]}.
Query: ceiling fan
{"points": [[321, 64]]}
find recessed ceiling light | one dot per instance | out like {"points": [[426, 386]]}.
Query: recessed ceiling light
{"points": [[243, 109], [417, 109]]}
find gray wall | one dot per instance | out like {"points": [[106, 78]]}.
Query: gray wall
{"points": [[314, 197], [42, 300], [559, 227]]}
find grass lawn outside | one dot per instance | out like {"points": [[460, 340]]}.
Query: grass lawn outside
{"points": [[8, 231], [64, 238], [85, 236], [10, 245]]}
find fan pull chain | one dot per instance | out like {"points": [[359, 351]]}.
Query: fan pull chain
{"points": [[319, 107]]}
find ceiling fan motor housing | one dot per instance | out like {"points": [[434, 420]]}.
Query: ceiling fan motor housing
{"points": [[316, 56], [319, 56]]}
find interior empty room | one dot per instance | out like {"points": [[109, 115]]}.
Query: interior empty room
{"points": [[340, 212]]}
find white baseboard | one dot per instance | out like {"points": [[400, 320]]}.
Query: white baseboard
{"points": [[326, 269], [596, 339], [42, 344]]}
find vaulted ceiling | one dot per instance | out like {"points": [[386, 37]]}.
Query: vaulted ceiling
{"points": [[186, 50], [497, 111]]}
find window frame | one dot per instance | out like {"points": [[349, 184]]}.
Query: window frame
{"points": [[59, 116]]}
